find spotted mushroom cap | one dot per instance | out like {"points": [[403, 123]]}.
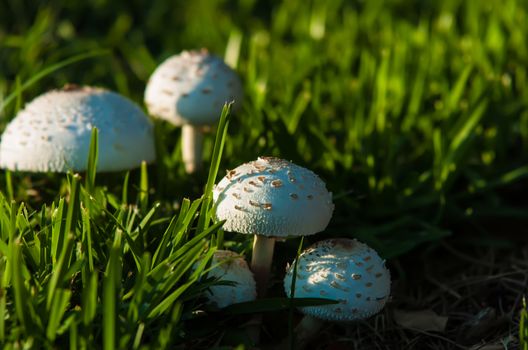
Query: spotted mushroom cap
{"points": [[52, 133], [345, 270], [191, 88], [231, 267], [273, 197]]}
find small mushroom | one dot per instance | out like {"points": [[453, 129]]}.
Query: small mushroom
{"points": [[190, 89], [270, 210], [52, 133], [328, 269], [230, 267]]}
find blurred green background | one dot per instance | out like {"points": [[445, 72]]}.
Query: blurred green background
{"points": [[415, 113]]}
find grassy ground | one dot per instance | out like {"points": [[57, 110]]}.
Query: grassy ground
{"points": [[415, 113]]}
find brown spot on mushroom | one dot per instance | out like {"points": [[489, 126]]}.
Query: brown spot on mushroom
{"points": [[206, 91], [294, 196], [176, 78], [367, 258], [336, 285], [167, 92], [185, 94], [359, 264], [247, 190], [71, 87], [378, 275], [238, 207], [358, 295], [276, 183], [230, 174], [368, 285], [253, 203], [253, 183], [262, 179], [266, 206], [339, 276], [356, 276], [236, 195], [369, 269]]}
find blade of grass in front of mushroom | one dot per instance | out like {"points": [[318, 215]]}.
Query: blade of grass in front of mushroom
{"points": [[274, 304], [291, 334], [91, 166], [143, 188], [221, 135]]}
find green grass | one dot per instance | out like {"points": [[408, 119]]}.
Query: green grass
{"points": [[523, 327], [415, 113]]}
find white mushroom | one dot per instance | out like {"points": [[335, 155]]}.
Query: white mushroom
{"points": [[52, 133], [344, 270], [190, 89], [231, 267], [270, 198]]}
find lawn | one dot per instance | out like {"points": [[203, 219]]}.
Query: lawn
{"points": [[414, 114]]}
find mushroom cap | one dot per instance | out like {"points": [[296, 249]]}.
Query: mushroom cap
{"points": [[345, 270], [191, 88], [52, 133], [273, 197], [232, 267]]}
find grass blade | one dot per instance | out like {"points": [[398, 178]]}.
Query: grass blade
{"points": [[49, 70], [111, 286]]}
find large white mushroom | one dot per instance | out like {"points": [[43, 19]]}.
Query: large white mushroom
{"points": [[229, 266], [190, 89], [52, 133], [270, 198], [344, 270]]}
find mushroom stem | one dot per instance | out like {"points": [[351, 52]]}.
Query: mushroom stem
{"points": [[306, 330], [192, 143], [261, 261]]}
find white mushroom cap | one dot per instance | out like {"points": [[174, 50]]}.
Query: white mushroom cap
{"points": [[273, 197], [191, 88], [345, 270], [52, 133], [232, 268]]}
